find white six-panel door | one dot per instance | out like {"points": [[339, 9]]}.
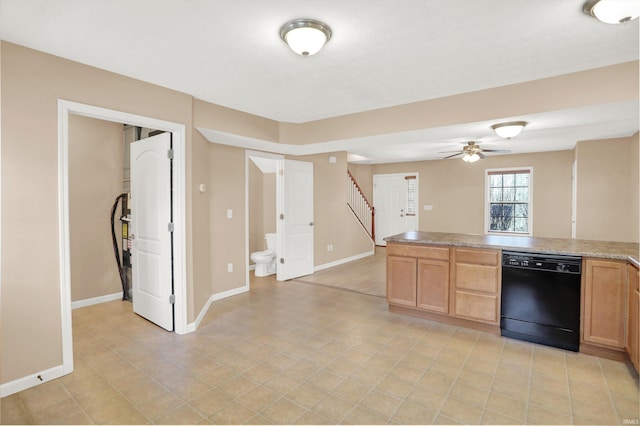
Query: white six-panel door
{"points": [[295, 226], [150, 218], [390, 198]]}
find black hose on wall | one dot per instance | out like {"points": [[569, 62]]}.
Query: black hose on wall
{"points": [[121, 271]]}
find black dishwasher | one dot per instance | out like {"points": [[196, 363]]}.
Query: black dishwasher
{"points": [[541, 298]]}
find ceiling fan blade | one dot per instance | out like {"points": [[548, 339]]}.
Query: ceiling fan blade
{"points": [[448, 152], [454, 155], [496, 150], [481, 155]]}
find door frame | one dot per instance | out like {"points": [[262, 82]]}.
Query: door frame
{"points": [[280, 159], [65, 108]]}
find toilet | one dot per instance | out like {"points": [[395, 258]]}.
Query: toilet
{"points": [[266, 260]]}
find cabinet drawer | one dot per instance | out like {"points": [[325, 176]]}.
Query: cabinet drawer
{"points": [[477, 307], [478, 257], [424, 252], [477, 278]]}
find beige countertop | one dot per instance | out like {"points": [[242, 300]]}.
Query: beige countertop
{"points": [[567, 246]]}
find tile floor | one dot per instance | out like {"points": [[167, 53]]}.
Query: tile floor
{"points": [[299, 353]]}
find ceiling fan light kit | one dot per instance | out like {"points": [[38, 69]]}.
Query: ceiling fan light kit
{"points": [[613, 11], [509, 130], [470, 158], [305, 36]]}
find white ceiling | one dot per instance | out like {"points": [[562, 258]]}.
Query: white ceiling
{"points": [[383, 53]]}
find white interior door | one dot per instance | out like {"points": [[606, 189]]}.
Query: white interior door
{"points": [[390, 197], [152, 280], [295, 221]]}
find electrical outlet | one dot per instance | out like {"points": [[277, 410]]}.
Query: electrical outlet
{"points": [[330, 247], [229, 267]]}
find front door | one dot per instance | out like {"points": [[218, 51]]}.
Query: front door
{"points": [[295, 221], [152, 274], [395, 212]]}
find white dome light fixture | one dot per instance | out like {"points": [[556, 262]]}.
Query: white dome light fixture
{"points": [[613, 11], [305, 36], [509, 130]]}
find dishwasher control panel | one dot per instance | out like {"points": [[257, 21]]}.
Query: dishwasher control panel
{"points": [[541, 261]]}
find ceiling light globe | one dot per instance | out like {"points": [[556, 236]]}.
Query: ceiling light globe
{"points": [[471, 158], [305, 36], [509, 130], [614, 11]]}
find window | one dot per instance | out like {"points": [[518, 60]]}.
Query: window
{"points": [[411, 195], [509, 201]]}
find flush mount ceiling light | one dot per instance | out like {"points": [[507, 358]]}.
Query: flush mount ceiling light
{"points": [[510, 129], [305, 36], [613, 11]]}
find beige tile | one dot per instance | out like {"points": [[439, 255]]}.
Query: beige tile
{"points": [[237, 386], [395, 386], [362, 416], [232, 413], [540, 416], [479, 380], [470, 394], [594, 414], [306, 395], [56, 412], [413, 414], [436, 383], [311, 418], [144, 391], [259, 397], [303, 369], [333, 408], [351, 390], [442, 419], [427, 399], [627, 408], [180, 415], [159, 405], [12, 407], [511, 389], [461, 411], [282, 383], [99, 393], [284, 411], [217, 375], [491, 418], [210, 402], [405, 372], [116, 410], [550, 400], [382, 403], [325, 380], [44, 395], [502, 404], [75, 418]]}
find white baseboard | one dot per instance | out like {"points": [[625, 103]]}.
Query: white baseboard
{"points": [[191, 327], [342, 261], [96, 300], [30, 381]]}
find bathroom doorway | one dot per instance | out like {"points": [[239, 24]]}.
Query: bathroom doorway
{"points": [[262, 210]]}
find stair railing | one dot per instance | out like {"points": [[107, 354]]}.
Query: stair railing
{"points": [[360, 206]]}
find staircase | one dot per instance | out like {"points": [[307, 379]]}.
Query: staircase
{"points": [[360, 206]]}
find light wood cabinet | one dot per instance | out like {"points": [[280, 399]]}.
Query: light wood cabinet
{"points": [[633, 317], [604, 284], [476, 284], [401, 280], [418, 276], [433, 285]]}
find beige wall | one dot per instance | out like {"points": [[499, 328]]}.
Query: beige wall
{"points": [[32, 83], [226, 181], [607, 84], [95, 179], [607, 199], [333, 221], [634, 186], [269, 208], [455, 189]]}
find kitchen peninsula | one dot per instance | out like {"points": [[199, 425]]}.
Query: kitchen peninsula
{"points": [[457, 279]]}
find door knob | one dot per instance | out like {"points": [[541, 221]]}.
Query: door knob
{"points": [[310, 223]]}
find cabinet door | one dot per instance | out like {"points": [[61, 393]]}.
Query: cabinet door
{"points": [[633, 331], [476, 289], [604, 297], [401, 280], [433, 285]]}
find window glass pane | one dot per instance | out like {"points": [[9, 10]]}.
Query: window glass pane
{"points": [[508, 180], [522, 179], [508, 194], [495, 194], [522, 194], [496, 181], [522, 210], [521, 224]]}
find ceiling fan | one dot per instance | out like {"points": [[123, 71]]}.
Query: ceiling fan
{"points": [[472, 152]]}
